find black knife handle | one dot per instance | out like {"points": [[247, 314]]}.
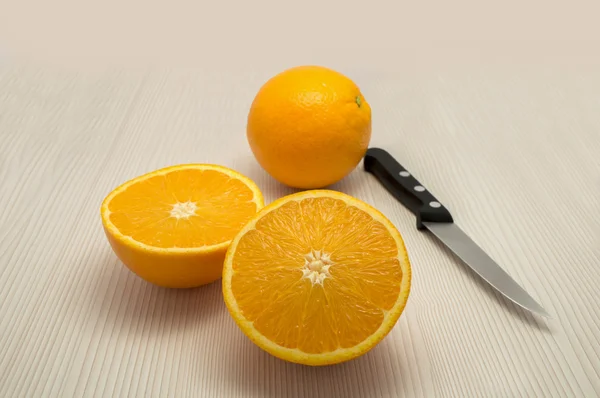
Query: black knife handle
{"points": [[405, 188]]}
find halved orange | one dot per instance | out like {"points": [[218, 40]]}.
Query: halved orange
{"points": [[317, 277], [172, 227]]}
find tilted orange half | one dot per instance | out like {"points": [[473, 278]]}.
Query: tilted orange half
{"points": [[172, 227], [317, 277]]}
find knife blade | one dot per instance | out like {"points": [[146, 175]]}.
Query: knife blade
{"points": [[433, 216]]}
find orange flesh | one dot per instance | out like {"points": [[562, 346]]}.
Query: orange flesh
{"points": [[144, 210], [362, 283]]}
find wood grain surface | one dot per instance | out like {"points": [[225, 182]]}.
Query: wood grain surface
{"points": [[514, 153]]}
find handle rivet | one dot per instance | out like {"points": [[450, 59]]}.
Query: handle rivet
{"points": [[435, 204], [419, 188], [404, 174]]}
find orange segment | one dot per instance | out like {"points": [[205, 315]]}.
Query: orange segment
{"points": [[173, 226], [317, 277]]}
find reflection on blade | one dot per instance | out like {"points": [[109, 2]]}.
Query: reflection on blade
{"points": [[457, 241]]}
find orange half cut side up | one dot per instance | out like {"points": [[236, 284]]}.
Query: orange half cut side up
{"points": [[172, 227], [317, 277]]}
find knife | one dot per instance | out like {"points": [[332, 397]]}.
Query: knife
{"points": [[435, 217]]}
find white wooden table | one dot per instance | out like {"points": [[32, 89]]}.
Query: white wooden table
{"points": [[514, 153]]}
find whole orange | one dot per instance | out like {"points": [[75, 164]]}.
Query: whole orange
{"points": [[309, 126]]}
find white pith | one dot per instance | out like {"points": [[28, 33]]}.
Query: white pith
{"points": [[316, 266], [183, 210]]}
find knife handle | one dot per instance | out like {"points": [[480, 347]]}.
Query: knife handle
{"points": [[405, 188]]}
